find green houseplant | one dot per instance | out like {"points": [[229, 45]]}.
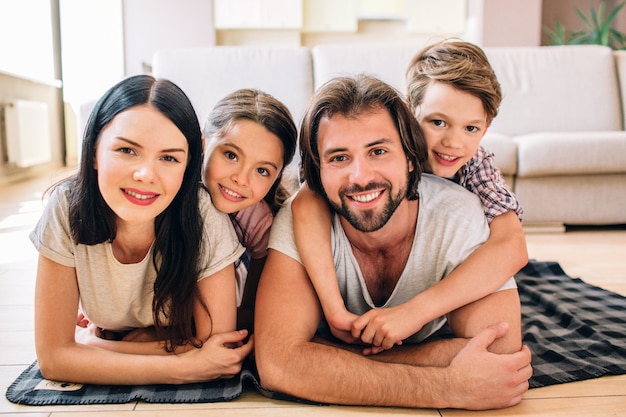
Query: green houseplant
{"points": [[598, 30]]}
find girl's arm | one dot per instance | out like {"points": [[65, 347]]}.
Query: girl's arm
{"points": [[219, 294], [311, 224], [481, 274], [61, 358]]}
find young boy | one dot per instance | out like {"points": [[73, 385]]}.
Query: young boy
{"points": [[454, 93]]}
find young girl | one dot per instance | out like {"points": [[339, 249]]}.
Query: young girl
{"points": [[134, 242], [455, 95], [250, 138]]}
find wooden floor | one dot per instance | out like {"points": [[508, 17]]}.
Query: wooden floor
{"points": [[598, 256]]}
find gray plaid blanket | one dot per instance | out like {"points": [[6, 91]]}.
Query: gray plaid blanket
{"points": [[576, 331]]}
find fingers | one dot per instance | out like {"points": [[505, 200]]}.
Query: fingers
{"points": [[246, 349], [229, 338], [487, 336], [358, 325]]}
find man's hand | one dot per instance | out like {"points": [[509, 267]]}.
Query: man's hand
{"points": [[485, 380]]}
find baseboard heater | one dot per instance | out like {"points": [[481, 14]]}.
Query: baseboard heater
{"points": [[27, 132]]}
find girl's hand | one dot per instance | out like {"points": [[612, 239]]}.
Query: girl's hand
{"points": [[87, 334], [81, 320]]}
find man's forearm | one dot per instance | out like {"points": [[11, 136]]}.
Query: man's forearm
{"points": [[475, 379], [326, 373], [437, 353]]}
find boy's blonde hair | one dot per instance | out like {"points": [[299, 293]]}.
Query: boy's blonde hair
{"points": [[462, 65]]}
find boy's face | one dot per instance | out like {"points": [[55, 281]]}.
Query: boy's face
{"points": [[453, 122]]}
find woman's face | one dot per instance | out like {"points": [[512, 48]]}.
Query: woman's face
{"points": [[453, 122], [141, 158], [242, 165]]}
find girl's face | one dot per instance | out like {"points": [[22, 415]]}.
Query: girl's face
{"points": [[242, 165], [453, 122], [141, 158]]}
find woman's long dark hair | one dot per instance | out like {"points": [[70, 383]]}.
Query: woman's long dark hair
{"points": [[178, 229]]}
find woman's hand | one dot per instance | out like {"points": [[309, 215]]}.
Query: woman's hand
{"points": [[216, 358]]}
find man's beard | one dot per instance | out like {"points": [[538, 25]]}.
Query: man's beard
{"points": [[368, 220]]}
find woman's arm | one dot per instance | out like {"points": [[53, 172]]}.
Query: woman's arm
{"points": [[61, 358]]}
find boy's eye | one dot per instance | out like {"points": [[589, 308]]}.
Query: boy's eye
{"points": [[231, 155], [472, 129], [338, 158], [379, 152]]}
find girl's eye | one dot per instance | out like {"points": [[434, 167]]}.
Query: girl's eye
{"points": [[231, 155], [263, 172], [438, 122], [339, 158]]}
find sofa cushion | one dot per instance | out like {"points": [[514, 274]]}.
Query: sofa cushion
{"points": [[556, 89], [574, 153], [206, 74], [388, 63]]}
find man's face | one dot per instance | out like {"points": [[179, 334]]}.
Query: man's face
{"points": [[363, 168]]}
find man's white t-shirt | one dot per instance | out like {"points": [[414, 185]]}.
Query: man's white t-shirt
{"points": [[451, 224]]}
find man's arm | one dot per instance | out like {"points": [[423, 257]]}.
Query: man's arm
{"points": [[287, 316], [501, 306]]}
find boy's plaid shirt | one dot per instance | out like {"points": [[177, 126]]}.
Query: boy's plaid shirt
{"points": [[483, 178]]}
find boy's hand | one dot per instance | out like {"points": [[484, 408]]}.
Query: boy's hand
{"points": [[384, 328], [340, 324]]}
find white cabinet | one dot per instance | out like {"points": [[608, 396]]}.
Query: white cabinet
{"points": [[258, 14]]}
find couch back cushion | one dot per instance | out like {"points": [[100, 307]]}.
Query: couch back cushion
{"points": [[389, 63], [556, 89], [206, 74]]}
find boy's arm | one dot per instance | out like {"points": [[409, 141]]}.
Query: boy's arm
{"points": [[311, 222], [481, 274]]}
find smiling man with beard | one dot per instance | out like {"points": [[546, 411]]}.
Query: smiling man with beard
{"points": [[395, 234]]}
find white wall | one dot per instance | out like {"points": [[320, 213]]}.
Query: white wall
{"points": [[26, 33], [150, 25]]}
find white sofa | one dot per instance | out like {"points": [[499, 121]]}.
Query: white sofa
{"points": [[558, 139]]}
